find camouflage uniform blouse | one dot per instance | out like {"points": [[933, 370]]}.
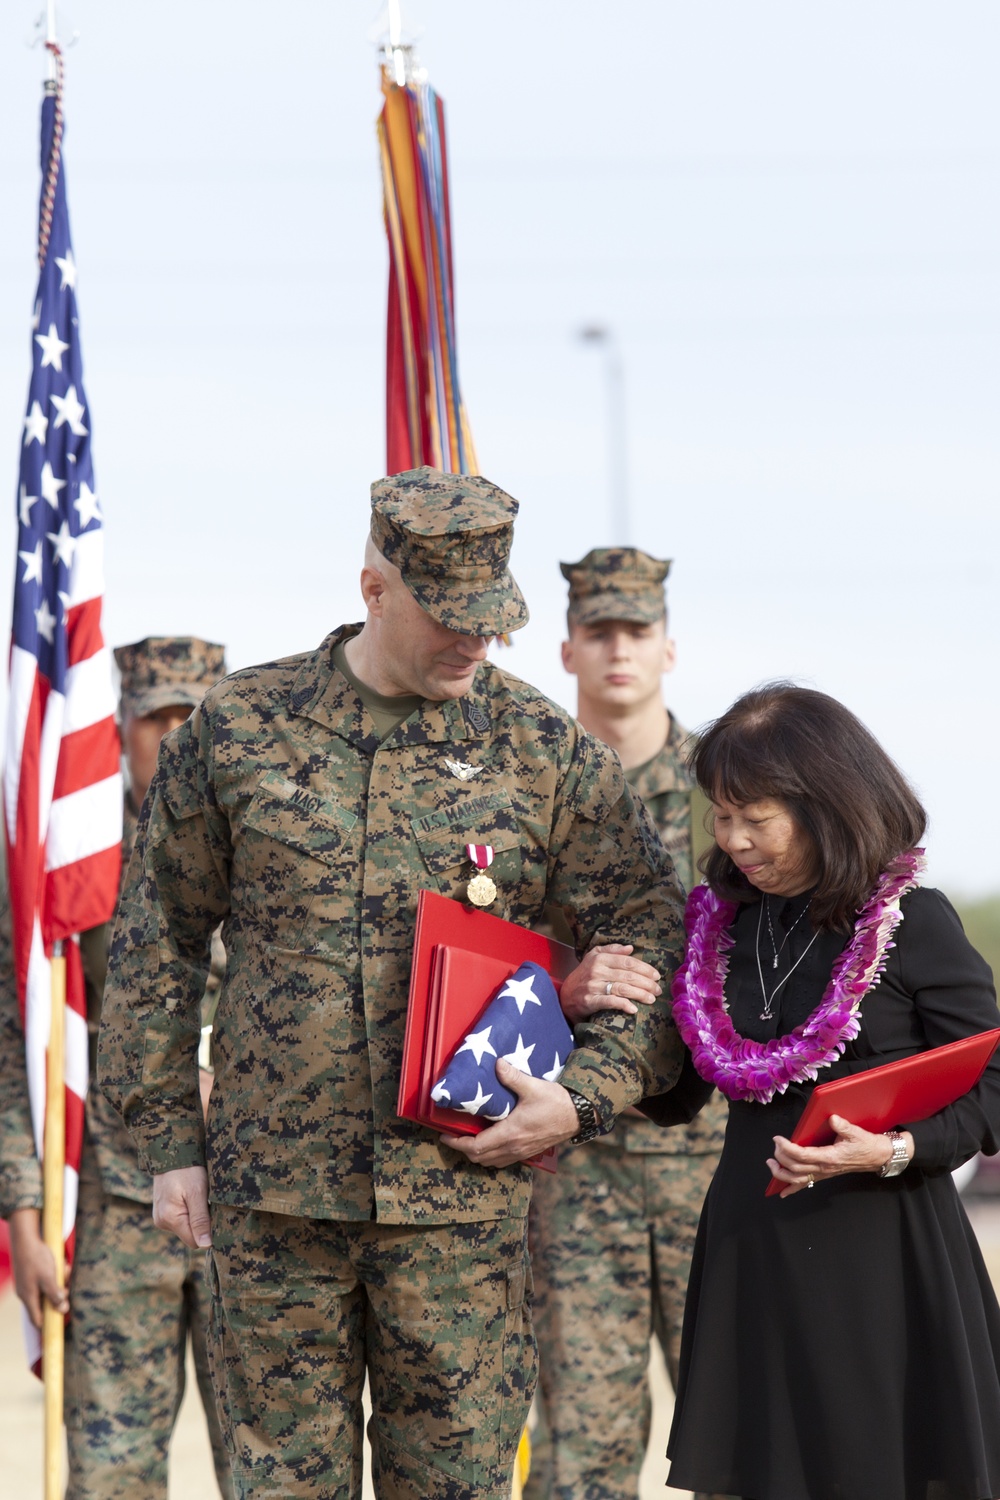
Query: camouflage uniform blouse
{"points": [[105, 1134], [277, 810]]}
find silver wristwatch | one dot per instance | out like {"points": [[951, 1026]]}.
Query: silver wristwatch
{"points": [[898, 1161], [590, 1125]]}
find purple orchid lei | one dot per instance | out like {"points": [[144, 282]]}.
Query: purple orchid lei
{"points": [[743, 1069]]}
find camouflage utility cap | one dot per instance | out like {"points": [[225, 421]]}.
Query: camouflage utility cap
{"points": [[616, 583], [164, 670], [449, 535]]}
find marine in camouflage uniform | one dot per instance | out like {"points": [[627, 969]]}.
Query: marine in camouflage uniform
{"points": [[304, 806], [137, 1295], [612, 1232]]}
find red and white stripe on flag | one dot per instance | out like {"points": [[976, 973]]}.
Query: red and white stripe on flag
{"points": [[62, 777]]}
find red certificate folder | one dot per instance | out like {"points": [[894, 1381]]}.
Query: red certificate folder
{"points": [[461, 957], [898, 1093]]}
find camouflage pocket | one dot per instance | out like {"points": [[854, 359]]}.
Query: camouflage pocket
{"points": [[487, 818], [520, 1364], [290, 850], [220, 1351]]}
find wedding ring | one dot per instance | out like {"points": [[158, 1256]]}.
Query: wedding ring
{"points": [[608, 988], [811, 1181]]}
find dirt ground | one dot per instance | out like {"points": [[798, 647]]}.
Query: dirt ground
{"points": [[191, 1475]]}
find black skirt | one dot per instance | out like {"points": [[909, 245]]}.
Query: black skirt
{"points": [[841, 1344]]}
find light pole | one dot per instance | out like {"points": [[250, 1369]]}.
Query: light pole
{"points": [[614, 375]]}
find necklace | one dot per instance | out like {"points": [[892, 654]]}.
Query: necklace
{"points": [[766, 1014], [743, 1069], [779, 951]]}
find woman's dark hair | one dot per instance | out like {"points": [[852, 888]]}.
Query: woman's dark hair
{"points": [[811, 753]]}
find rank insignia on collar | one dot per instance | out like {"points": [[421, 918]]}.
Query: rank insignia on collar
{"points": [[461, 770]]}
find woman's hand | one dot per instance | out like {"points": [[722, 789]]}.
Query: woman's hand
{"points": [[608, 979], [855, 1150]]}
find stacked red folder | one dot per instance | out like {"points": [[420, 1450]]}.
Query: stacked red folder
{"points": [[461, 956], [896, 1094]]}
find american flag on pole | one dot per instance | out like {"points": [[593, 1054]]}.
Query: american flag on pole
{"points": [[62, 779]]}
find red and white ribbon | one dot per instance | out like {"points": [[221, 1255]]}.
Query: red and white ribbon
{"points": [[480, 854]]}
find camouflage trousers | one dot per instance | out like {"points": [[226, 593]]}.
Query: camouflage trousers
{"points": [[438, 1318], [612, 1234], [137, 1296]]}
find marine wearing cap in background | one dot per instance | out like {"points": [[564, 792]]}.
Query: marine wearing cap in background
{"points": [[136, 1296], [616, 583], [305, 804], [166, 670], [162, 678], [613, 1231]]}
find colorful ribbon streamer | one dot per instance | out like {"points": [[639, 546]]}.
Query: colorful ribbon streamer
{"points": [[425, 418]]}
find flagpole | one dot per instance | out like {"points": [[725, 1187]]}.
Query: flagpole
{"points": [[614, 375], [53, 1166], [50, 36], [54, 1139]]}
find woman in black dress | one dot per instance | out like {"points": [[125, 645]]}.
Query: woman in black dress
{"points": [[841, 1341]]}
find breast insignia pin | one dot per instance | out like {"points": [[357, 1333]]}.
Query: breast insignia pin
{"points": [[460, 769]]}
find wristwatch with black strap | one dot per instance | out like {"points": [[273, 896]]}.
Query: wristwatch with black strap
{"points": [[590, 1125]]}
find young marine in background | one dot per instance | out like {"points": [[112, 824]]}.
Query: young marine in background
{"points": [[612, 1232], [136, 1294]]}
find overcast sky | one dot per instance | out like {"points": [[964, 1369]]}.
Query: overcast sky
{"points": [[789, 213]]}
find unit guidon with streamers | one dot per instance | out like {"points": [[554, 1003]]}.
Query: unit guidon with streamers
{"points": [[62, 780]]}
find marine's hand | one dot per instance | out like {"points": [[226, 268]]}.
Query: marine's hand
{"points": [[544, 1117], [585, 992], [180, 1205], [34, 1265], [855, 1150]]}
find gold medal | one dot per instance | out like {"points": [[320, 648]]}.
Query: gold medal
{"points": [[481, 890]]}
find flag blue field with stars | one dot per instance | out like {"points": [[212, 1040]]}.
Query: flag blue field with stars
{"points": [[523, 1024], [57, 503]]}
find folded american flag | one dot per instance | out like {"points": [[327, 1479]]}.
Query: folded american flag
{"points": [[524, 1024]]}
